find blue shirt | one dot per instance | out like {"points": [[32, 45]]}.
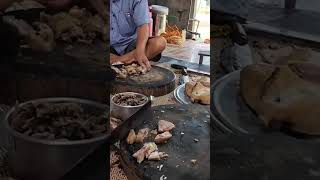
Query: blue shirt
{"points": [[126, 17]]}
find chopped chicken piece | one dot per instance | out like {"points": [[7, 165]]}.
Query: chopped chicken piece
{"points": [[151, 148], [145, 151], [163, 155], [165, 126], [162, 138], [154, 156], [142, 70], [189, 88], [120, 73], [143, 133], [198, 92], [130, 70], [155, 132], [131, 137], [201, 94], [205, 81], [140, 154], [157, 156]]}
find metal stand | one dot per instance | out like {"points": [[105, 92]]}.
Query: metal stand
{"points": [[195, 26], [202, 54]]}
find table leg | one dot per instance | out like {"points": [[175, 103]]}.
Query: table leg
{"points": [[201, 59]]}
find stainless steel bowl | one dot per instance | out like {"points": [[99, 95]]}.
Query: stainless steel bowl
{"points": [[124, 112], [31, 158]]}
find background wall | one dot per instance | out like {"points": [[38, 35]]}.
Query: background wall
{"points": [[178, 8]]}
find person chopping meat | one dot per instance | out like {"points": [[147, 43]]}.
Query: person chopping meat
{"points": [[129, 34]]}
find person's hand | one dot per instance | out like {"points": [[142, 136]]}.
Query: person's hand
{"points": [[142, 59]]}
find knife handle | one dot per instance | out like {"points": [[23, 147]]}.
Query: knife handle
{"points": [[184, 72], [176, 66]]}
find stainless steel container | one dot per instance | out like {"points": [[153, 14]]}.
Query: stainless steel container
{"points": [[159, 15], [124, 112], [37, 159]]}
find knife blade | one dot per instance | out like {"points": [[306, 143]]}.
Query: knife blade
{"points": [[184, 78], [199, 72], [177, 66]]}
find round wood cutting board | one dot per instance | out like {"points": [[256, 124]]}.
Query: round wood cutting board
{"points": [[157, 82]]}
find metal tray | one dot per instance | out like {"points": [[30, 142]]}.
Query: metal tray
{"points": [[90, 165], [232, 111], [181, 97], [53, 157], [229, 107]]}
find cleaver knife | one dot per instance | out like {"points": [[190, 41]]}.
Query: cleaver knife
{"points": [[177, 66]]}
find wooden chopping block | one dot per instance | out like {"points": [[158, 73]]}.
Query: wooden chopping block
{"points": [[157, 82]]}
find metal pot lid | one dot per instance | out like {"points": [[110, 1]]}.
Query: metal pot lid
{"points": [[229, 107], [236, 57], [180, 96]]}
